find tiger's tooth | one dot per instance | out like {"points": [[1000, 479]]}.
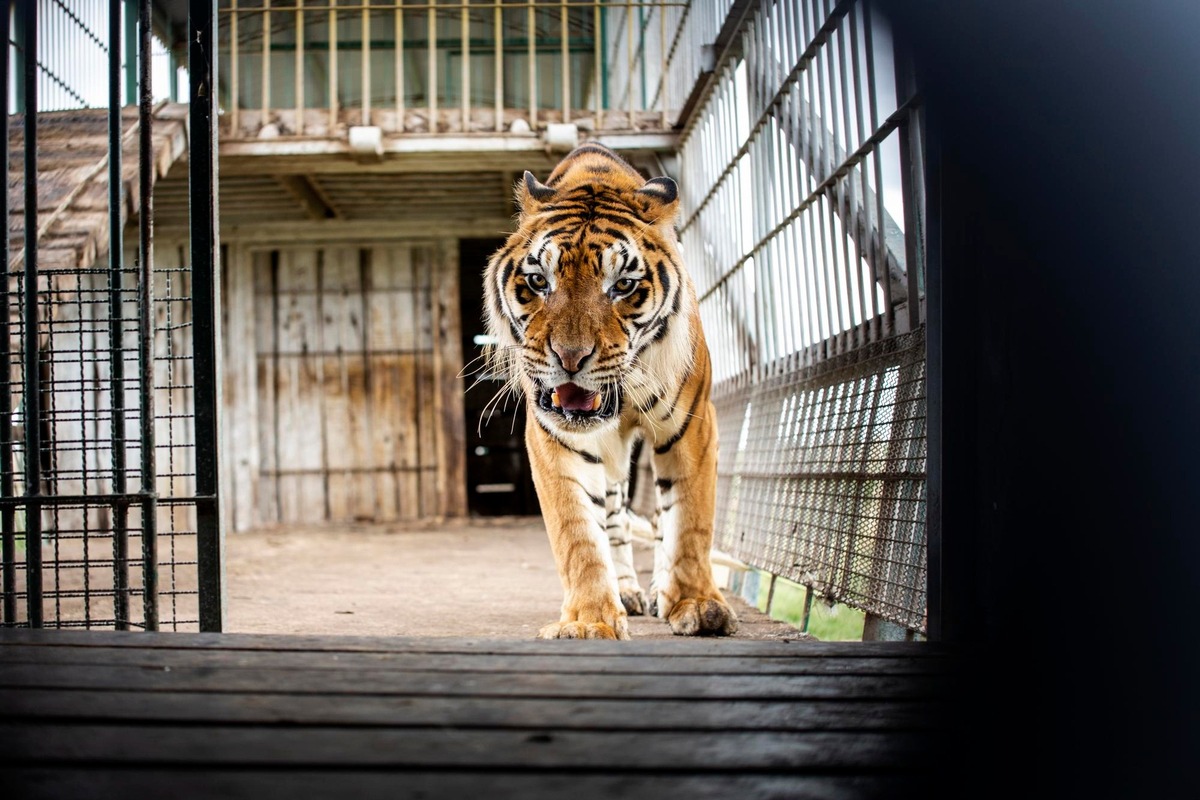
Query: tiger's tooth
{"points": [[554, 400], [596, 402]]}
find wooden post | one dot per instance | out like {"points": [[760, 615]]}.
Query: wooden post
{"points": [[366, 66], [333, 71], [498, 36], [299, 67], [233, 68], [266, 64], [564, 33], [532, 22], [399, 19], [241, 388], [452, 461], [432, 44], [465, 35]]}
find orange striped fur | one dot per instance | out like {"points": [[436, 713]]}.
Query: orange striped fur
{"points": [[599, 330]]}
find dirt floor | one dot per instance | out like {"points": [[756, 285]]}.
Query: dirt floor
{"points": [[486, 578]]}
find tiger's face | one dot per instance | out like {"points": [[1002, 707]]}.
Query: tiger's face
{"points": [[581, 291]]}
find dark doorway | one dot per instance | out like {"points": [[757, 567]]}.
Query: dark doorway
{"points": [[498, 477]]}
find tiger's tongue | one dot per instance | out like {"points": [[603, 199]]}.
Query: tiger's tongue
{"points": [[575, 398]]}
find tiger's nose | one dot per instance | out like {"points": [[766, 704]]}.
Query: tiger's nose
{"points": [[571, 358]]}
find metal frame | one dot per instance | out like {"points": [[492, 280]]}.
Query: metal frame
{"points": [[83, 467]]}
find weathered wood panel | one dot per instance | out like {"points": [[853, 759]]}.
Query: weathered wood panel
{"points": [[427, 401], [265, 321], [357, 354], [452, 444], [347, 435], [244, 329], [299, 400]]}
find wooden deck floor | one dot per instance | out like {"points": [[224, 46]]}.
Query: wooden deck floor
{"points": [[99, 714]]}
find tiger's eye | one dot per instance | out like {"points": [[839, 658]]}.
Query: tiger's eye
{"points": [[625, 285], [536, 281]]}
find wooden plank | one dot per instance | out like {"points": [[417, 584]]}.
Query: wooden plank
{"points": [[347, 436], [302, 497], [682, 647], [98, 782], [241, 387], [457, 662], [442, 747], [390, 327], [478, 712], [266, 509], [452, 441], [428, 420], [495, 684]]}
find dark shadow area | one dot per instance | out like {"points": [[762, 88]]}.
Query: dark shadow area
{"points": [[499, 480]]}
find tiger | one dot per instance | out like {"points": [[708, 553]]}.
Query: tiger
{"points": [[596, 324]]}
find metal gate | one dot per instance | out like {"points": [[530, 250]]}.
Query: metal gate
{"points": [[108, 403]]}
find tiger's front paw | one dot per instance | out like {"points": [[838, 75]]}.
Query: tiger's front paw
{"points": [[596, 620], [704, 616], [580, 630]]}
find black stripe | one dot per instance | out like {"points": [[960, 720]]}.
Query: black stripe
{"points": [[586, 456], [664, 484], [664, 276], [661, 333], [665, 448]]}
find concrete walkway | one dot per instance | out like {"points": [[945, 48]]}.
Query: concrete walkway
{"points": [[480, 578]]}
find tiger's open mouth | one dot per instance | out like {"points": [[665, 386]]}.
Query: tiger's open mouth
{"points": [[577, 403]]}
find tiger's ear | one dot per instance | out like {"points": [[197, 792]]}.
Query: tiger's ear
{"points": [[660, 199], [532, 194]]}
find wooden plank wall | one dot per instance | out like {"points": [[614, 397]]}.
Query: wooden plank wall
{"points": [[351, 355]]}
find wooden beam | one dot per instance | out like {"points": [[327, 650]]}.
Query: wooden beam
{"points": [[465, 153], [308, 192]]}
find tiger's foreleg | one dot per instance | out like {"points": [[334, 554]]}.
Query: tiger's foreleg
{"points": [[683, 591], [620, 539], [571, 492]]}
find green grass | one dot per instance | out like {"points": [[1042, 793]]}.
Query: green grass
{"points": [[837, 623]]}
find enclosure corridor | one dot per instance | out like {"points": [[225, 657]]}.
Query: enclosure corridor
{"points": [[248, 444]]}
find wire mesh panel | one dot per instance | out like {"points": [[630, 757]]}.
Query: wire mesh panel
{"points": [[802, 228], [102, 514]]}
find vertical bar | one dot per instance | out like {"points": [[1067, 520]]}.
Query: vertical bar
{"points": [[465, 83], [333, 67], [8, 534], [115, 337], [565, 34], [172, 76], [881, 271], [629, 64], [233, 68], [662, 66], [532, 39], [32, 388], [146, 313], [366, 64], [597, 67], [266, 64], [498, 36], [202, 190], [300, 67], [399, 17], [911, 186], [131, 40], [432, 90]]}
